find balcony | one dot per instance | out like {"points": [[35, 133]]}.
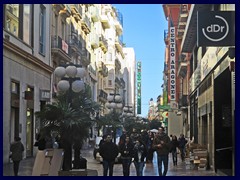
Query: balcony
{"points": [[118, 23], [75, 44], [119, 48], [60, 48], [166, 38], [86, 57], [103, 44], [118, 83], [182, 66], [102, 68], [94, 39], [66, 12], [182, 20], [94, 13], [92, 72], [102, 95], [117, 64], [76, 12], [105, 21], [58, 7], [86, 25], [183, 101]]}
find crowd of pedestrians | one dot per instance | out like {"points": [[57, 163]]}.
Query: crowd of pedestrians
{"points": [[138, 148]]}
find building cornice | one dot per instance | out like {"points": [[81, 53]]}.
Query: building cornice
{"points": [[32, 59]]}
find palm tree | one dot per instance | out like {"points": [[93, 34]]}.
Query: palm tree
{"points": [[112, 120], [71, 121]]}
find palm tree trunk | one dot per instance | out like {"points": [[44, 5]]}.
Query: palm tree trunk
{"points": [[77, 151], [67, 160]]}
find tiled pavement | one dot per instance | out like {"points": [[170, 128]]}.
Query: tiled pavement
{"points": [[150, 169]]}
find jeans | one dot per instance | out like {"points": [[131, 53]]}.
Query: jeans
{"points": [[174, 157], [162, 159], [139, 167], [126, 162], [182, 151], [108, 165]]}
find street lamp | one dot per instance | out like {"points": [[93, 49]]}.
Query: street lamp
{"points": [[114, 103], [128, 111], [71, 80]]}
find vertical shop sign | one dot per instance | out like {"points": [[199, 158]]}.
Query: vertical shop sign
{"points": [[139, 67], [172, 65]]}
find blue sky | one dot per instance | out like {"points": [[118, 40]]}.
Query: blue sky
{"points": [[143, 29]]}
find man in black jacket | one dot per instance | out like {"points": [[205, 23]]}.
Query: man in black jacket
{"points": [[108, 151], [162, 144]]}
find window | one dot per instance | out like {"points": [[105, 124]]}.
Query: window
{"points": [[63, 30], [15, 87], [27, 23], [42, 34], [18, 21], [12, 18], [56, 24]]}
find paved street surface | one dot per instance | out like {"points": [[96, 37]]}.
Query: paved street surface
{"points": [[150, 169]]}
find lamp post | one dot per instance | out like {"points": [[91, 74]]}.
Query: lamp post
{"points": [[114, 103], [71, 76], [128, 111]]}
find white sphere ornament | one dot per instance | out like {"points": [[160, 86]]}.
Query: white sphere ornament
{"points": [[71, 71], [63, 85], [129, 114], [113, 105], [118, 98], [119, 105], [108, 105], [77, 86], [81, 72], [60, 71], [110, 98], [125, 108]]}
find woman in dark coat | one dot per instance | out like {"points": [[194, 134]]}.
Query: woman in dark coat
{"points": [[126, 150], [174, 145]]}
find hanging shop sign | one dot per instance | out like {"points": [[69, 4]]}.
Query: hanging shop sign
{"points": [[172, 64], [45, 95], [216, 28], [165, 114]]}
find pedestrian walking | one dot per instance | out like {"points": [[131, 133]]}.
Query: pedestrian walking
{"points": [[139, 155], [162, 144], [108, 151], [126, 150], [174, 145], [16, 149], [182, 146], [122, 137], [150, 149]]}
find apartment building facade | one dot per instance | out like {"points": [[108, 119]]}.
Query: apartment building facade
{"points": [[27, 71], [37, 38]]}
